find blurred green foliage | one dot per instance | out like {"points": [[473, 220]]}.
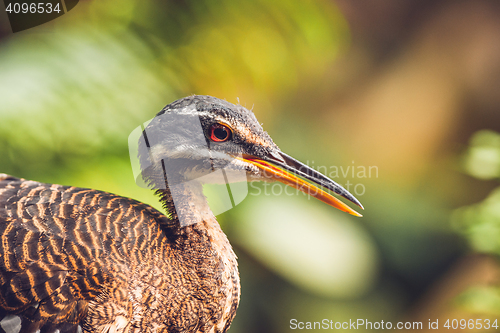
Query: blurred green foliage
{"points": [[480, 223], [484, 300]]}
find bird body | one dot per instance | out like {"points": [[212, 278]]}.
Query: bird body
{"points": [[83, 260], [78, 257]]}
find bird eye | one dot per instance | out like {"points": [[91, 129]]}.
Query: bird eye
{"points": [[219, 133]]}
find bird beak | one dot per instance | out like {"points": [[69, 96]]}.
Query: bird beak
{"points": [[283, 168]]}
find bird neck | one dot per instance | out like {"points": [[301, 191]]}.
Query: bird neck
{"points": [[186, 203], [206, 252], [194, 225]]}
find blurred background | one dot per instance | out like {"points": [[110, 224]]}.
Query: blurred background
{"points": [[398, 101]]}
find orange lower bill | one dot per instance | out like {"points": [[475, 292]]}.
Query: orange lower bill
{"points": [[291, 180]]}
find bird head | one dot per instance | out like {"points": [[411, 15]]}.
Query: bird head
{"points": [[195, 136]]}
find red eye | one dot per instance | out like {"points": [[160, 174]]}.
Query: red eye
{"points": [[219, 133]]}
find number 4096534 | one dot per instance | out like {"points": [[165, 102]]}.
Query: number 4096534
{"points": [[471, 324], [33, 8]]}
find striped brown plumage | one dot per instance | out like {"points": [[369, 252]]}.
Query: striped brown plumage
{"points": [[81, 260]]}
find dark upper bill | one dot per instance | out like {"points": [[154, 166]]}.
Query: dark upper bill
{"points": [[285, 169]]}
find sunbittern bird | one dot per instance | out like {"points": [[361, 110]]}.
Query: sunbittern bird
{"points": [[82, 260]]}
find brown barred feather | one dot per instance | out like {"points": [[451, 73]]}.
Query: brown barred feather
{"points": [[81, 260]]}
